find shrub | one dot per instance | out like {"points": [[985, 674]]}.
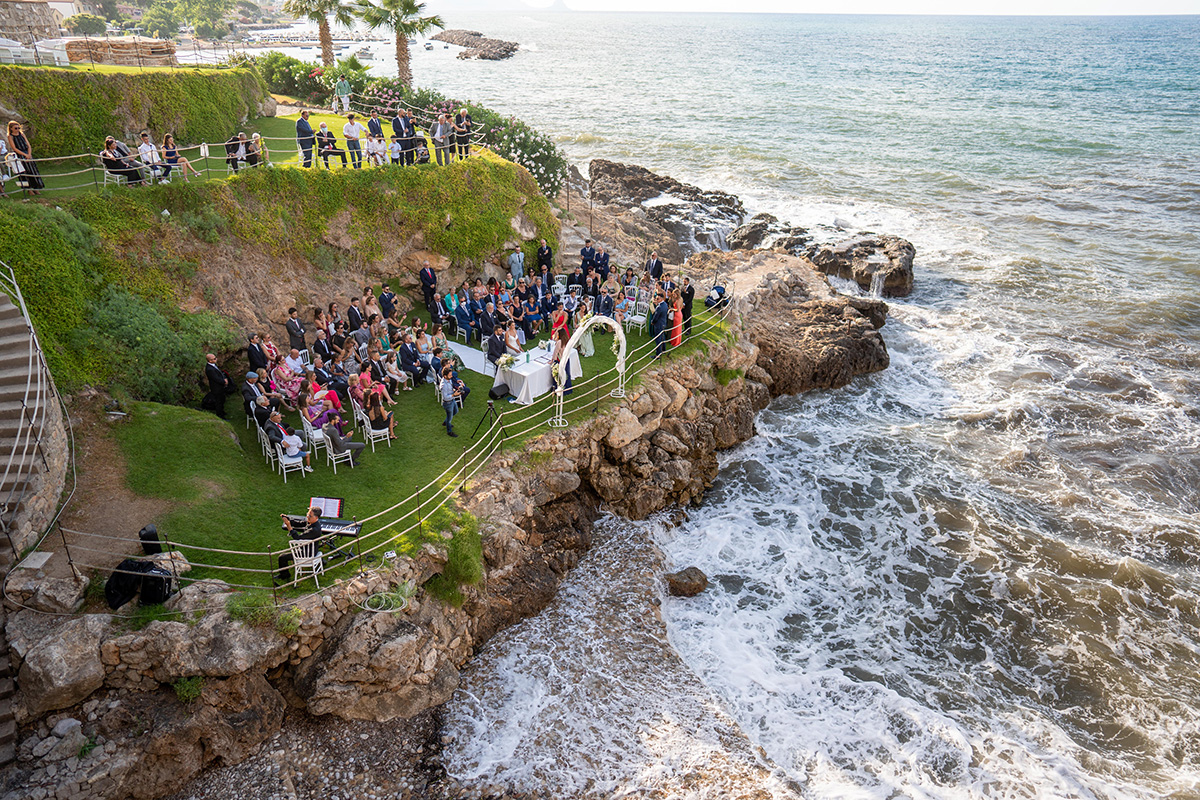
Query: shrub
{"points": [[288, 622], [188, 690], [253, 608], [85, 24], [309, 80], [464, 554]]}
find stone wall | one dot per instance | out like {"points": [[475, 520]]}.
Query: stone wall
{"points": [[657, 449], [27, 21], [45, 489]]}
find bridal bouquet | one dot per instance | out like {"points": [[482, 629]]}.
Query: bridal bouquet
{"points": [[504, 362]]}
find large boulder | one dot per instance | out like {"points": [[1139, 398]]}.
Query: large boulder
{"points": [[63, 668], [763, 231], [688, 582], [882, 265]]}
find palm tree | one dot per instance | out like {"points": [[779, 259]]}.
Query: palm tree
{"points": [[402, 17], [318, 11]]}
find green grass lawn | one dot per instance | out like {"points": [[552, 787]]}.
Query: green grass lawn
{"points": [[71, 175], [227, 497]]}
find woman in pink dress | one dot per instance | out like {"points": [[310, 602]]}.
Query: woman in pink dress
{"points": [[676, 318], [287, 382]]}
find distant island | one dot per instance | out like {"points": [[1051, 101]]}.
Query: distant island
{"points": [[476, 45]]}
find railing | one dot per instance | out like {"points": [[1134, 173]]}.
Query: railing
{"points": [[409, 514], [27, 447]]}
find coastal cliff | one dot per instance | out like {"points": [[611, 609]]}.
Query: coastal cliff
{"points": [[111, 690]]}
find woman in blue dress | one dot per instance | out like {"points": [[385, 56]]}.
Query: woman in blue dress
{"points": [[170, 154]]}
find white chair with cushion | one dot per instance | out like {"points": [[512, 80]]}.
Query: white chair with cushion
{"points": [[306, 558], [288, 463]]}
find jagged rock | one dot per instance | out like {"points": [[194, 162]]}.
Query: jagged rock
{"points": [[477, 45], [687, 582], [763, 231], [269, 106], [882, 265], [174, 562], [65, 726], [625, 429], [699, 219], [52, 595], [63, 668]]}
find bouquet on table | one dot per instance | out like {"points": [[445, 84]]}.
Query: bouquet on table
{"points": [[505, 362]]}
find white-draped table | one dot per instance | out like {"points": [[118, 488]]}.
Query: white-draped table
{"points": [[527, 381]]}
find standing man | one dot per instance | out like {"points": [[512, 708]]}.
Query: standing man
{"points": [[545, 258], [295, 329], [218, 387], [601, 262], [354, 317], [516, 265], [342, 90], [353, 131], [688, 294], [587, 254], [408, 144], [387, 301], [255, 353], [375, 124], [654, 266], [305, 138], [442, 141], [462, 135], [658, 324], [428, 283], [450, 395]]}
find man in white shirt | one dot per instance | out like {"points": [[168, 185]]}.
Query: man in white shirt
{"points": [[353, 132], [441, 134], [294, 362], [149, 156]]}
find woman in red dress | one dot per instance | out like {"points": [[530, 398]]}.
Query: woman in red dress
{"points": [[677, 318]]}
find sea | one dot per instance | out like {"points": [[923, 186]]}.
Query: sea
{"points": [[975, 574]]}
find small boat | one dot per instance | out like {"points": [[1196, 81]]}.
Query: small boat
{"points": [[412, 41], [429, 45], [364, 54], [445, 47]]}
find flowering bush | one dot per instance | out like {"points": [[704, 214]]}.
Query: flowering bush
{"points": [[506, 136], [308, 80]]}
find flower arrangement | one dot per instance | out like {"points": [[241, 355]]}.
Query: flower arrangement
{"points": [[554, 372], [505, 362]]}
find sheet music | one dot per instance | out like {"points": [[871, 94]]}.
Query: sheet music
{"points": [[327, 506]]}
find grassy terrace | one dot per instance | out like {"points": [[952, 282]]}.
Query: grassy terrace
{"points": [[225, 495]]}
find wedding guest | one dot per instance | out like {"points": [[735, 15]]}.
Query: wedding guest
{"points": [[545, 257], [28, 175], [449, 394], [327, 146]]}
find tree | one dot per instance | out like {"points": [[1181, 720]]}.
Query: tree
{"points": [[318, 11], [85, 24], [205, 16], [402, 17], [161, 21]]}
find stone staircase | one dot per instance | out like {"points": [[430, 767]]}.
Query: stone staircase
{"points": [[28, 410]]}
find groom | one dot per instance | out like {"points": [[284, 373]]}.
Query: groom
{"points": [[658, 325]]}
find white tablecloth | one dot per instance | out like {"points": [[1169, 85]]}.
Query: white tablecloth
{"points": [[528, 382]]}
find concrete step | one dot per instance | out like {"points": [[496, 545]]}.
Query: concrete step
{"points": [[12, 409], [15, 358], [7, 687], [8, 730], [14, 335]]}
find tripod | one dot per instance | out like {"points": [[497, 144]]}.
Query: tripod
{"points": [[489, 412]]}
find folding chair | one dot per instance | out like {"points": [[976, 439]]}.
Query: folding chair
{"points": [[306, 558], [288, 463]]}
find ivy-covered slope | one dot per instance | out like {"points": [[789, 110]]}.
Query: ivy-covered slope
{"points": [[71, 111]]}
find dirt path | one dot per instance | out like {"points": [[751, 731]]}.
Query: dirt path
{"points": [[103, 503]]}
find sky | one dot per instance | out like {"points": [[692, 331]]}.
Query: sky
{"points": [[997, 7]]}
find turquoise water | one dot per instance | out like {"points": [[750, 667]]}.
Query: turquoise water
{"points": [[975, 574]]}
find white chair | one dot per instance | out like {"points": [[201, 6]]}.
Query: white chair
{"points": [[372, 435], [288, 463], [641, 310], [460, 332], [438, 381], [631, 292], [560, 280], [306, 558], [316, 439], [332, 459], [267, 450], [558, 289], [305, 358], [111, 178]]}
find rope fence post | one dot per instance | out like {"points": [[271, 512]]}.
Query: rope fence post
{"points": [[67, 549], [274, 588]]}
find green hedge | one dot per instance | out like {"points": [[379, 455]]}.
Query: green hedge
{"points": [[71, 111]]}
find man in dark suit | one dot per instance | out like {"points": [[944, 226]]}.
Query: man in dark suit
{"points": [[410, 140], [487, 320], [545, 257], [605, 305], [688, 294], [587, 255], [602, 263], [428, 283], [354, 317], [658, 324], [375, 124], [410, 361], [218, 387], [464, 317], [321, 346], [576, 278], [262, 410], [654, 266], [305, 138], [668, 284], [251, 391], [235, 151], [387, 301], [335, 383], [496, 347], [295, 329], [255, 353]]}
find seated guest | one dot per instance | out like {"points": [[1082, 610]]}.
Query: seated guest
{"points": [[558, 320], [235, 151], [170, 154], [437, 338], [327, 380], [327, 145], [340, 443], [621, 308], [120, 165], [379, 418], [261, 153], [465, 319], [512, 339], [533, 317], [251, 391], [321, 348], [319, 412], [516, 313], [370, 386], [422, 153], [604, 305], [394, 374], [337, 342], [280, 434], [576, 278], [294, 361], [410, 361], [262, 410], [287, 382], [148, 154], [496, 346], [355, 390], [487, 320], [310, 531]]}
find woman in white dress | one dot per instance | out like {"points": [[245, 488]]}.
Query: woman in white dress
{"points": [[586, 347], [512, 341]]}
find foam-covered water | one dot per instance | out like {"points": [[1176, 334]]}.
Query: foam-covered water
{"points": [[974, 574]]}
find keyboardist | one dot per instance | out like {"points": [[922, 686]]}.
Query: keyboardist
{"points": [[311, 529]]}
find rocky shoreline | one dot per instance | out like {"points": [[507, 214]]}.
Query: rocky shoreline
{"points": [[279, 712], [477, 45]]}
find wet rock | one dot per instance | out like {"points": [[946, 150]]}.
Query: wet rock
{"points": [[881, 265], [687, 582], [763, 231]]}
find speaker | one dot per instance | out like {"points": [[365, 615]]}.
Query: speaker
{"points": [[151, 545], [499, 391]]}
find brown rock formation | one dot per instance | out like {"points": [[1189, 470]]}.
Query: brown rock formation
{"points": [[882, 264], [477, 45]]}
